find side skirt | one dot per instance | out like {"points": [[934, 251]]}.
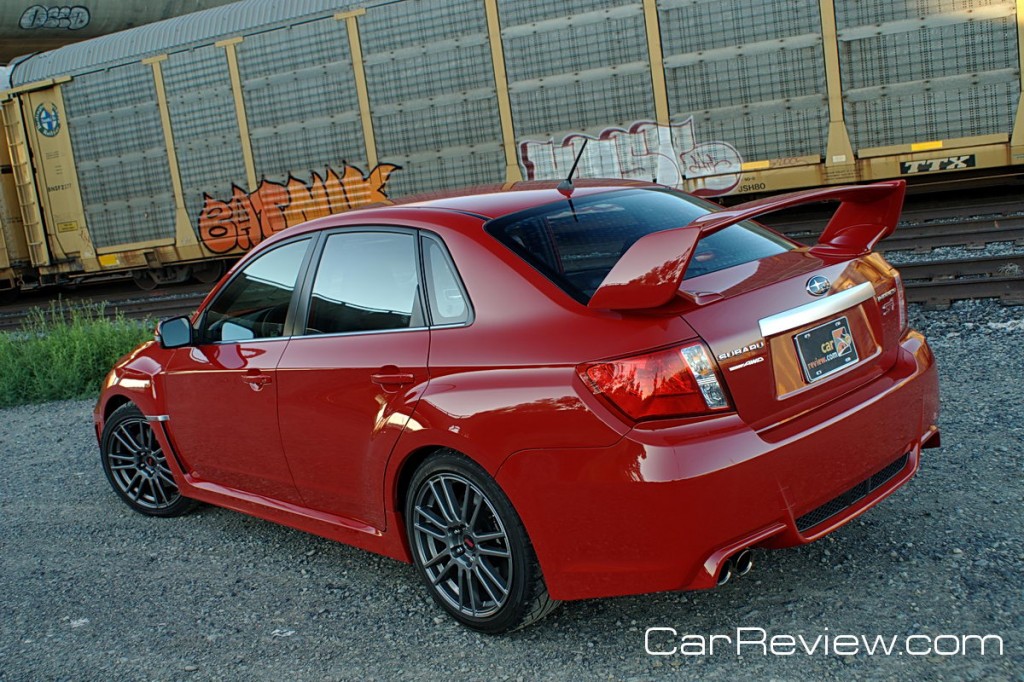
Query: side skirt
{"points": [[330, 526]]}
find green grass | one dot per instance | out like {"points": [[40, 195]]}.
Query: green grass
{"points": [[63, 352]]}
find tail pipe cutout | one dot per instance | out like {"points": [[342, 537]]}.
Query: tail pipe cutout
{"points": [[738, 564]]}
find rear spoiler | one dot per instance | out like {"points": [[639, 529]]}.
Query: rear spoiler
{"points": [[649, 274]]}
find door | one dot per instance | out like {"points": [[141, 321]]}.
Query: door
{"points": [[350, 383], [222, 392]]}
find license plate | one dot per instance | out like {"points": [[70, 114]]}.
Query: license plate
{"points": [[826, 349]]}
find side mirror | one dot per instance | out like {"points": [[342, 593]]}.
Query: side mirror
{"points": [[175, 332]]}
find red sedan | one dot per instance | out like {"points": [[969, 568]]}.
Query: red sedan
{"points": [[538, 395]]}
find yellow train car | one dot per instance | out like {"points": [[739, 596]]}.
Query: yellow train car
{"points": [[165, 149]]}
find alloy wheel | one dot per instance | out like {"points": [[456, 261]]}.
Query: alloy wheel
{"points": [[138, 466], [462, 545]]}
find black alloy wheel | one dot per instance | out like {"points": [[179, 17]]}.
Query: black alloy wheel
{"points": [[136, 465], [471, 548]]}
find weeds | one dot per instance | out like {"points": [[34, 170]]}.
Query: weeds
{"points": [[63, 352]]}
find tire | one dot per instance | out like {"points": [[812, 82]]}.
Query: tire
{"points": [[136, 467], [470, 547]]}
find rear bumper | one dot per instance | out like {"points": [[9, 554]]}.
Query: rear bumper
{"points": [[663, 508]]}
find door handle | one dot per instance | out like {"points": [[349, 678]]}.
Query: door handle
{"points": [[256, 380], [391, 379]]}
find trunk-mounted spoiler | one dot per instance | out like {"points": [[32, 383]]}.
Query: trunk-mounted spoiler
{"points": [[649, 274]]}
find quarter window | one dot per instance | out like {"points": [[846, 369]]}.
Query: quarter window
{"points": [[254, 305], [447, 300], [366, 281]]}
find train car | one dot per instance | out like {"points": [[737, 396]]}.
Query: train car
{"points": [[167, 148]]}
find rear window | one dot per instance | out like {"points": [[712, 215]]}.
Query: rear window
{"points": [[575, 246]]}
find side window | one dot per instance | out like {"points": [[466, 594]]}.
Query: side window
{"points": [[366, 281], [254, 305], [447, 301]]}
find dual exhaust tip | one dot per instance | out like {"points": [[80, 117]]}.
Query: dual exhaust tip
{"points": [[738, 564]]}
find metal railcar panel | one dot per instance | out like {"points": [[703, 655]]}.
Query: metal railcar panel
{"points": [[948, 70], [300, 99], [431, 82], [750, 74], [121, 158], [578, 68], [206, 136]]}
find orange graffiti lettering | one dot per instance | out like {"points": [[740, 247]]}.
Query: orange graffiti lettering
{"points": [[246, 219]]}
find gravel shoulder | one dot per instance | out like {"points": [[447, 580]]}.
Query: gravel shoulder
{"points": [[92, 591]]}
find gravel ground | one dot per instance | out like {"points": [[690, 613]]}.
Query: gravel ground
{"points": [[898, 258], [92, 591]]}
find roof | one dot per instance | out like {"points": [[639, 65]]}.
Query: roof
{"points": [[172, 35], [484, 202], [494, 201]]}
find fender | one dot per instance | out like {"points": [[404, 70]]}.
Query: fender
{"points": [[132, 378]]}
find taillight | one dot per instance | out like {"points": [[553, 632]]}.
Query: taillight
{"points": [[901, 301], [676, 382]]}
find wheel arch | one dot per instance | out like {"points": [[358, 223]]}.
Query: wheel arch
{"points": [[114, 402], [414, 448], [397, 483], [404, 467], [403, 477], [115, 397]]}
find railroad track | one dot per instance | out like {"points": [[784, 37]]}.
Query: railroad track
{"points": [[152, 306], [976, 233], [159, 309], [937, 283]]}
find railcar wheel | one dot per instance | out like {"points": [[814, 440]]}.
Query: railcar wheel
{"points": [[136, 466], [471, 548], [144, 280], [207, 272]]}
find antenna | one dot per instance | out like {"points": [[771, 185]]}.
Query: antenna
{"points": [[566, 186]]}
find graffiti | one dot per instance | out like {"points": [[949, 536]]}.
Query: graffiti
{"points": [[70, 18], [247, 218], [646, 150]]}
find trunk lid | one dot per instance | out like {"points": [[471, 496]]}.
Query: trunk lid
{"points": [[782, 350]]}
